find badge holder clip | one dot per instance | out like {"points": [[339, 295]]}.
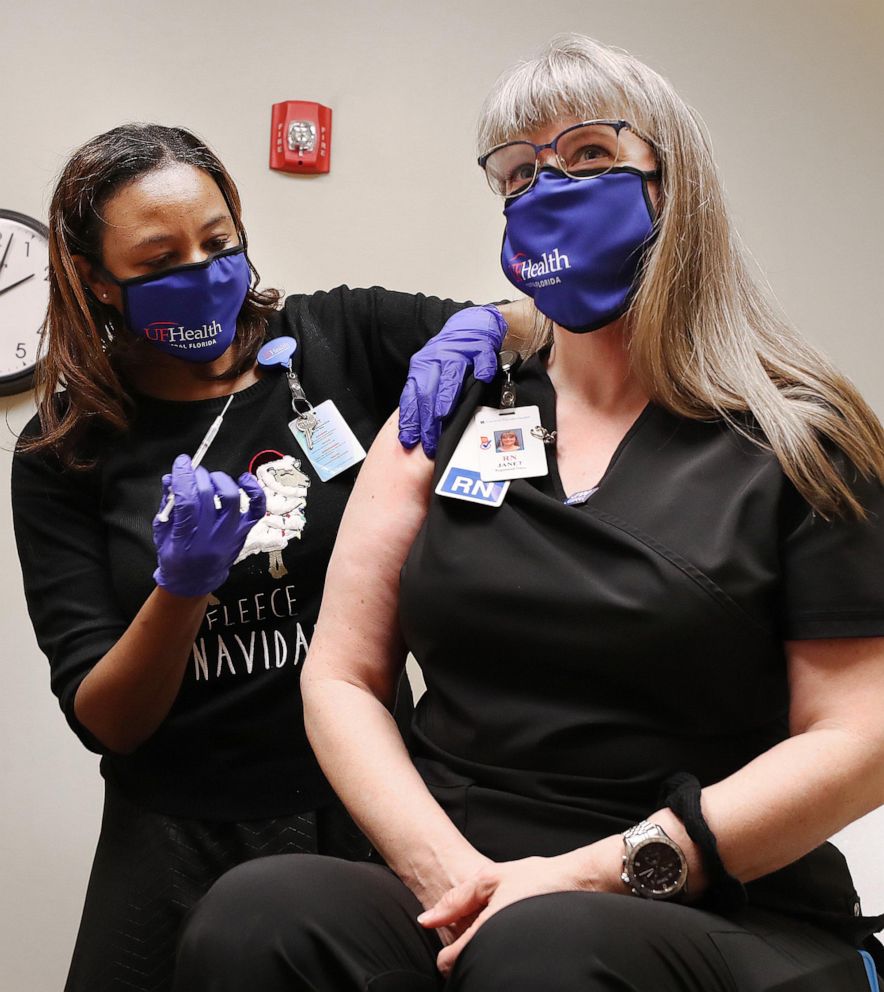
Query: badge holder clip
{"points": [[306, 420], [509, 362]]}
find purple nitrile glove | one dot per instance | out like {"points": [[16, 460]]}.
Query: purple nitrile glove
{"points": [[199, 543], [472, 337]]}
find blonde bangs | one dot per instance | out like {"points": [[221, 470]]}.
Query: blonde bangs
{"points": [[574, 77]]}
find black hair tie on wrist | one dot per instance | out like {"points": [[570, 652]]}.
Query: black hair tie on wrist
{"points": [[681, 793]]}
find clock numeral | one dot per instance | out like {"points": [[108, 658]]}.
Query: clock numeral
{"points": [[20, 350], [46, 277], [27, 249]]}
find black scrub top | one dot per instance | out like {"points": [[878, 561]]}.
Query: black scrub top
{"points": [[577, 656], [233, 746]]}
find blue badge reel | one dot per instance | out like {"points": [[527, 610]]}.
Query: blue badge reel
{"points": [[279, 351]]}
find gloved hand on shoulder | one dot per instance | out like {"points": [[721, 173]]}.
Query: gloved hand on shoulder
{"points": [[469, 339], [199, 542]]}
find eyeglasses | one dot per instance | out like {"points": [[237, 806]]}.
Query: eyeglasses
{"points": [[583, 151]]}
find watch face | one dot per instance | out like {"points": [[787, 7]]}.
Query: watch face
{"points": [[657, 868], [24, 293]]}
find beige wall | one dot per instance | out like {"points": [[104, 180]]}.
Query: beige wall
{"points": [[791, 92]]}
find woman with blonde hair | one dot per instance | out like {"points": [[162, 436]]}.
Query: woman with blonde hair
{"points": [[654, 665]]}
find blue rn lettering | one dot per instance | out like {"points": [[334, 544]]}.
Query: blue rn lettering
{"points": [[466, 482], [461, 484], [483, 490]]}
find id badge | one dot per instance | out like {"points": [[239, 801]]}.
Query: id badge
{"points": [[509, 445], [330, 445], [461, 478]]}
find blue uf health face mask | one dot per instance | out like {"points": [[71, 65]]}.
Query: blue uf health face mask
{"points": [[576, 245], [189, 311]]}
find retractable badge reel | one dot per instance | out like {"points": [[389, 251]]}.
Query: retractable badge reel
{"points": [[321, 432]]}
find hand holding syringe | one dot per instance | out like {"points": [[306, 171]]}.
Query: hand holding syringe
{"points": [[199, 543], [205, 444]]}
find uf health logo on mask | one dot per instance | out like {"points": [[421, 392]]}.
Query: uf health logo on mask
{"points": [[171, 332], [524, 268]]}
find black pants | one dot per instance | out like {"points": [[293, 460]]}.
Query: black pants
{"points": [[326, 925], [150, 869]]}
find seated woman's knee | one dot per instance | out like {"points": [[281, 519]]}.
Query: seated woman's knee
{"points": [[519, 947]]}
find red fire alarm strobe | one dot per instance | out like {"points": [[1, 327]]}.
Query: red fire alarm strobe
{"points": [[300, 137]]}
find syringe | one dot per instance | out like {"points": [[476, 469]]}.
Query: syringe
{"points": [[205, 444]]}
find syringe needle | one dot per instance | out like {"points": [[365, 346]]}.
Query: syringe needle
{"points": [[205, 444]]}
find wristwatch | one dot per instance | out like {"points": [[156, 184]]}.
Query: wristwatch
{"points": [[654, 866]]}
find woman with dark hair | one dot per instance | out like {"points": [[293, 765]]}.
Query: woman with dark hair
{"points": [[176, 616], [655, 668]]}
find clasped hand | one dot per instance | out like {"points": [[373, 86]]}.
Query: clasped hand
{"points": [[490, 890], [198, 544]]}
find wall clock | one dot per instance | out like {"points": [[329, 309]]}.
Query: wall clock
{"points": [[24, 293]]}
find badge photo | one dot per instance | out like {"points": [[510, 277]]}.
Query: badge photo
{"points": [[509, 446]]}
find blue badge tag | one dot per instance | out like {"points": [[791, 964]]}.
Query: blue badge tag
{"points": [[461, 478], [467, 484], [279, 351]]}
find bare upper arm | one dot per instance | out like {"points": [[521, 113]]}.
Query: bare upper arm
{"points": [[357, 635]]}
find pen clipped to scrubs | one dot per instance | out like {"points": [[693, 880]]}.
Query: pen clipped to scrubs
{"points": [[205, 444]]}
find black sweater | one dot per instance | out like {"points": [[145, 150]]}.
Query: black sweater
{"points": [[233, 746]]}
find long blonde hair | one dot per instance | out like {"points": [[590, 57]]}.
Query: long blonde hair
{"points": [[705, 339]]}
